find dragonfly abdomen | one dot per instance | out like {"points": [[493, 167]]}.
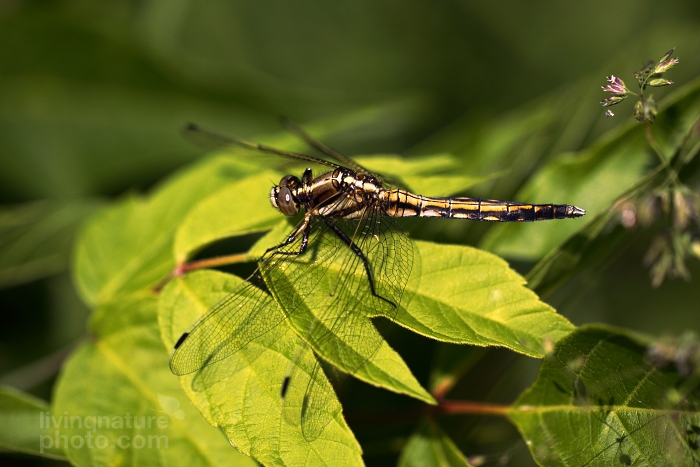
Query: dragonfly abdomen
{"points": [[401, 203]]}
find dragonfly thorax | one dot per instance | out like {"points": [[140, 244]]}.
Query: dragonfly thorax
{"points": [[339, 193]]}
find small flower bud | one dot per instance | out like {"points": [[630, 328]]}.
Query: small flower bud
{"points": [[616, 86], [666, 65], [615, 90], [612, 100], [615, 80], [637, 112], [667, 55], [657, 83], [609, 113]]}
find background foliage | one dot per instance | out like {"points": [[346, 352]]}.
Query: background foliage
{"points": [[93, 94]]}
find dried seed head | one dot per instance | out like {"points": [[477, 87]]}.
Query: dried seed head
{"points": [[650, 109]]}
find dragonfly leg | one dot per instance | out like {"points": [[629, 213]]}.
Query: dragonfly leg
{"points": [[355, 249], [304, 230]]}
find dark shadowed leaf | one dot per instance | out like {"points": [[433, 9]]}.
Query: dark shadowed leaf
{"points": [[597, 401], [37, 238], [595, 177]]}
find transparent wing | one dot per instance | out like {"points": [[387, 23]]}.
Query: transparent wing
{"points": [[244, 314], [352, 270], [248, 311], [366, 279]]}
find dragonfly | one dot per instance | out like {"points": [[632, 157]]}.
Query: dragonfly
{"points": [[346, 260]]}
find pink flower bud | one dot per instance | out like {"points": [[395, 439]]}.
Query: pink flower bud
{"points": [[667, 55], [616, 87]]}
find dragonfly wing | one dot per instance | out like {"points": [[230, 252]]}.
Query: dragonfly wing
{"points": [[244, 314], [363, 285], [364, 277], [248, 312]]}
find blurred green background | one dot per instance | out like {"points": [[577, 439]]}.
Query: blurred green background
{"points": [[92, 95]]}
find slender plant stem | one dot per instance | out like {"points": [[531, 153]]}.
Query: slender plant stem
{"points": [[183, 269], [474, 408], [214, 262]]}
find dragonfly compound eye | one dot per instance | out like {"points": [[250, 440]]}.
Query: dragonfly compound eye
{"points": [[286, 202], [282, 196]]}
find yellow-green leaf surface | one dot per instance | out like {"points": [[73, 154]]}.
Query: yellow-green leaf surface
{"points": [[128, 247], [459, 295], [241, 393], [25, 425], [327, 301], [455, 294], [430, 446], [595, 177], [37, 237], [118, 404], [463, 295], [598, 401], [238, 208]]}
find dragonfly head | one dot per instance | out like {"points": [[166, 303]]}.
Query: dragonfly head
{"points": [[283, 196]]}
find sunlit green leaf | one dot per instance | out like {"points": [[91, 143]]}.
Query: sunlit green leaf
{"points": [[430, 446], [25, 425], [236, 209], [242, 393], [459, 295], [37, 238], [128, 247], [109, 401], [463, 295], [598, 401]]}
